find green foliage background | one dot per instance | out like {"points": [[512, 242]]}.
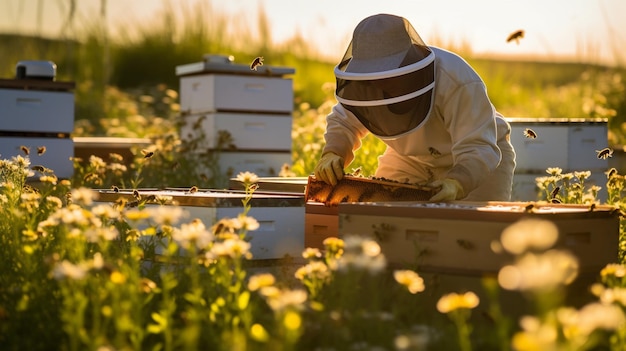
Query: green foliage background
{"points": [[125, 83]]}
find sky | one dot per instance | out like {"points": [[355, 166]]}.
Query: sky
{"points": [[580, 30]]}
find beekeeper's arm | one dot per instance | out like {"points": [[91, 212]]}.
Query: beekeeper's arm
{"points": [[469, 117], [343, 136]]}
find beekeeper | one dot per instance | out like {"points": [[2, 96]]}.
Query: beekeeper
{"points": [[427, 105]]}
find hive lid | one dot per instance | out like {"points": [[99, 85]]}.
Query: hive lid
{"points": [[36, 69], [222, 64]]}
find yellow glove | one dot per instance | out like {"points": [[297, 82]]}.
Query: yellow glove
{"points": [[330, 168], [451, 190]]}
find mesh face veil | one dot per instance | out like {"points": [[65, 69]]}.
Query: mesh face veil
{"points": [[387, 76]]}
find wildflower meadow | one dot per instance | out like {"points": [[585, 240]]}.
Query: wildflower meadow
{"points": [[139, 273], [81, 274]]}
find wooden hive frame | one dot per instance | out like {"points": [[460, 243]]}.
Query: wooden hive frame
{"points": [[365, 189]]}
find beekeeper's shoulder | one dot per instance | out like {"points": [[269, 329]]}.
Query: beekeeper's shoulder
{"points": [[452, 67]]}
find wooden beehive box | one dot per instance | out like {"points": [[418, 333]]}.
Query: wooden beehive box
{"points": [[322, 200], [457, 237], [450, 245], [320, 222]]}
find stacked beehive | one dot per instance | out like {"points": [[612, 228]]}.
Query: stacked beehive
{"points": [[243, 115], [37, 117], [569, 144]]}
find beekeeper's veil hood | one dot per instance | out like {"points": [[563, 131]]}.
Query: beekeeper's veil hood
{"points": [[387, 76]]}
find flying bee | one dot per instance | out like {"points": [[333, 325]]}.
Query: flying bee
{"points": [[90, 177], [253, 187], [147, 154], [136, 194], [604, 153], [555, 192], [554, 200], [256, 63], [25, 150], [115, 189], [198, 123], [41, 169], [611, 172], [120, 202], [193, 189], [41, 150], [434, 152], [529, 133], [515, 36]]}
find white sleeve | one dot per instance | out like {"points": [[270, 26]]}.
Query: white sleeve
{"points": [[343, 133]]}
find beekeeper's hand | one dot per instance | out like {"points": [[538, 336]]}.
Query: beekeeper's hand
{"points": [[451, 190], [330, 168]]}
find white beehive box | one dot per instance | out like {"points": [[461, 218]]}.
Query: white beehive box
{"points": [[217, 84], [584, 139], [253, 106], [231, 163], [263, 164], [36, 111], [269, 132], [570, 144], [57, 156], [525, 186], [214, 92], [280, 216], [457, 237]]}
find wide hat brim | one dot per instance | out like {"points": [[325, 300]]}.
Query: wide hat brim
{"points": [[378, 64]]}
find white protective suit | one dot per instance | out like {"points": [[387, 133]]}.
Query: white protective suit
{"points": [[463, 138]]}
